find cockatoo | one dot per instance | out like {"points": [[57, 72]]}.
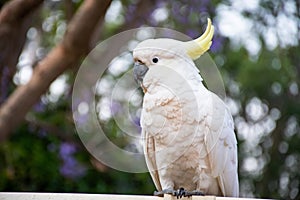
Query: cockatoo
{"points": [[188, 132]]}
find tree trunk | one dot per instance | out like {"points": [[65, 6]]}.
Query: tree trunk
{"points": [[15, 20], [75, 44]]}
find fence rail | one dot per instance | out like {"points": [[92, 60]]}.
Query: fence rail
{"points": [[79, 196]]}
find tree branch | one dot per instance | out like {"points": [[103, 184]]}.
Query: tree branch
{"points": [[15, 10], [15, 20], [68, 53]]}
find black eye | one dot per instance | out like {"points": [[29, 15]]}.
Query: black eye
{"points": [[155, 60]]}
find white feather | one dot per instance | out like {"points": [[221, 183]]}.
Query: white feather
{"points": [[189, 138]]}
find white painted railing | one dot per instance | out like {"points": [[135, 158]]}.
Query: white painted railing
{"points": [[79, 196]]}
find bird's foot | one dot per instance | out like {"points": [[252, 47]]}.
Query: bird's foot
{"points": [[181, 192]]}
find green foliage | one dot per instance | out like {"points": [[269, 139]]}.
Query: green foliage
{"points": [[30, 161], [26, 160]]}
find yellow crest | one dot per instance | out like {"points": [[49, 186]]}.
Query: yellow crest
{"points": [[197, 47]]}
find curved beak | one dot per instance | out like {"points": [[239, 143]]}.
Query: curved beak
{"points": [[139, 71]]}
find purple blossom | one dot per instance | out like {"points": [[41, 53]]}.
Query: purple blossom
{"points": [[159, 4], [70, 167], [136, 122], [115, 107], [130, 12], [81, 120], [39, 107], [66, 149], [217, 44], [204, 5], [180, 13], [192, 33]]}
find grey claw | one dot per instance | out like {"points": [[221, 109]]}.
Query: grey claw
{"points": [[181, 192]]}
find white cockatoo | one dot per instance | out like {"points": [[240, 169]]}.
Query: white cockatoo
{"points": [[188, 132]]}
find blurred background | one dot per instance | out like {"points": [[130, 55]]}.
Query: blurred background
{"points": [[42, 44]]}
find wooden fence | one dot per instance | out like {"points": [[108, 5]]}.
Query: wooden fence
{"points": [[79, 196]]}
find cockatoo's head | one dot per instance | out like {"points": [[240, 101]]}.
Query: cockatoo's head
{"points": [[167, 52]]}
